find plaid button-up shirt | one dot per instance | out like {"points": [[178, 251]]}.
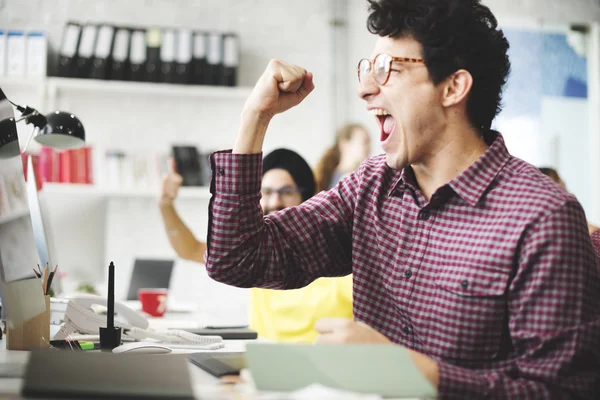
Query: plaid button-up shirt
{"points": [[494, 277]]}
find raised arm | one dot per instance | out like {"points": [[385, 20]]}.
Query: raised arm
{"points": [[281, 87], [288, 249], [181, 238]]}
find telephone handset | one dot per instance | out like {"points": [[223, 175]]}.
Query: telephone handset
{"points": [[80, 317]]}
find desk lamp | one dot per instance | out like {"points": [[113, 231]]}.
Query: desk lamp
{"points": [[59, 130]]}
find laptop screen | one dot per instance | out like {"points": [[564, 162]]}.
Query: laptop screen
{"points": [[151, 274]]}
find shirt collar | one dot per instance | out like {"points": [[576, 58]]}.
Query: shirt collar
{"points": [[472, 183]]}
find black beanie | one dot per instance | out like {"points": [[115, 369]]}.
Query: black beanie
{"points": [[297, 167]]}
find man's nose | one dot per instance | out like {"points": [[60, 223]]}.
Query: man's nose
{"points": [[367, 86], [275, 201]]}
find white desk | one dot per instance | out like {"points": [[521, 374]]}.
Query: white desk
{"points": [[206, 386]]}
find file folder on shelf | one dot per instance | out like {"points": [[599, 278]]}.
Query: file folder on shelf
{"points": [[101, 59], [119, 68]]}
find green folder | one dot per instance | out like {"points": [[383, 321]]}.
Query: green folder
{"points": [[386, 370]]}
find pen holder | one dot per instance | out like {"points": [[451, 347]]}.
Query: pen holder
{"points": [[31, 334]]}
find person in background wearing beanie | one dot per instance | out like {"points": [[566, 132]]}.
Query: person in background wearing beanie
{"points": [[280, 315]]}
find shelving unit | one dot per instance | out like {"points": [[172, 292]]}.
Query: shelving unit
{"points": [[54, 86], [144, 88], [201, 193]]}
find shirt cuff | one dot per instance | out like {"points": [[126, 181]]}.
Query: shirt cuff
{"points": [[460, 383], [238, 174]]}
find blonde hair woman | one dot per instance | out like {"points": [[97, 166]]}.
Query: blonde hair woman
{"points": [[352, 146]]}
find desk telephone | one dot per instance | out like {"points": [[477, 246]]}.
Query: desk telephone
{"points": [[80, 317]]}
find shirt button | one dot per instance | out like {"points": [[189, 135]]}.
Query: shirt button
{"points": [[221, 171], [406, 330], [464, 284], [425, 215], [408, 273]]}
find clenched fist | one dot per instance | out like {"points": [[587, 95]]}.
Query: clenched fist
{"points": [[280, 87]]}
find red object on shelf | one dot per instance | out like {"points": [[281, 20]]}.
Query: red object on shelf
{"points": [[78, 166], [64, 158], [49, 170]]}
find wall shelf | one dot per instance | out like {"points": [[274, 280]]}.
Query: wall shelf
{"points": [[55, 85], [201, 192], [144, 88]]}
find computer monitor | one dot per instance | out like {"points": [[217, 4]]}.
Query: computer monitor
{"points": [[18, 255], [149, 274], [43, 241]]}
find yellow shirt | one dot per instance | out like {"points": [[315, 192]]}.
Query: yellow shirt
{"points": [[290, 315]]}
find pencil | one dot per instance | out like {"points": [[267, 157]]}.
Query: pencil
{"points": [[45, 284]]}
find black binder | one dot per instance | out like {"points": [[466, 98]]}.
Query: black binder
{"points": [[153, 43], [214, 59], [231, 60], [199, 58], [183, 56], [85, 51], [137, 55], [68, 50], [119, 68], [101, 60], [167, 56]]}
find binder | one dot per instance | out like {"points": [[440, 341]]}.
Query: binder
{"points": [[214, 59], [119, 68], [153, 43], [167, 56], [101, 61], [183, 56], [15, 53], [37, 54], [2, 52], [85, 51], [68, 50], [199, 58], [137, 56], [231, 60]]}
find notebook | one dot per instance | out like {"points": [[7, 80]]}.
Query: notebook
{"points": [[386, 370], [80, 374], [227, 333]]}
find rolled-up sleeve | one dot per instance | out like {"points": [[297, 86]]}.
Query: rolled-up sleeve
{"points": [[286, 250]]}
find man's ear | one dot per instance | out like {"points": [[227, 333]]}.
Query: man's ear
{"points": [[457, 88]]}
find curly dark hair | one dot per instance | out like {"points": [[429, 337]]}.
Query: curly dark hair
{"points": [[454, 34]]}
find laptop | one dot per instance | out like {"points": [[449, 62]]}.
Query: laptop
{"points": [[87, 374], [149, 273]]}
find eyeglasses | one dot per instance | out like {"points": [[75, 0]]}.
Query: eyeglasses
{"points": [[382, 66], [285, 192]]}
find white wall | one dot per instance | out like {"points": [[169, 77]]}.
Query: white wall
{"points": [[295, 31]]}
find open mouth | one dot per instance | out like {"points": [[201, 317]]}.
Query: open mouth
{"points": [[387, 123]]}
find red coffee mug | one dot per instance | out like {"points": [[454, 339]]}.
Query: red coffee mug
{"points": [[154, 301]]}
